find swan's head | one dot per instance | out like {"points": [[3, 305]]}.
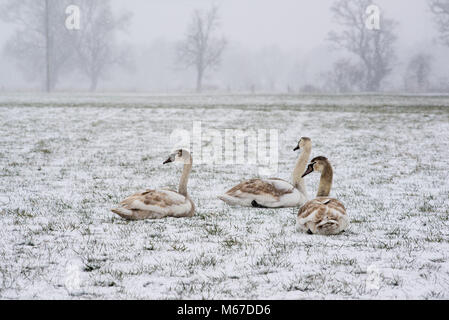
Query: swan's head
{"points": [[317, 164], [303, 142], [180, 155]]}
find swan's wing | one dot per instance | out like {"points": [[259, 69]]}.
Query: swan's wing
{"points": [[321, 205], [282, 187], [155, 204], [323, 213], [269, 193], [160, 198], [274, 188]]}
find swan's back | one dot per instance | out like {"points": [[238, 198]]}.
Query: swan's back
{"points": [[325, 216], [270, 193], [155, 204]]}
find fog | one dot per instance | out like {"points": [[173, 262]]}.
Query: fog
{"points": [[290, 24], [271, 46]]}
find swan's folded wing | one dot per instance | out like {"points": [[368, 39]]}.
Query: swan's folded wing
{"points": [[270, 187], [282, 187], [321, 207], [323, 216], [161, 201]]}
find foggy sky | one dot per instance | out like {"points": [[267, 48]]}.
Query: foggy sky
{"points": [[292, 25], [257, 23]]}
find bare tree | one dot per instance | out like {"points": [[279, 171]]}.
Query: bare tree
{"points": [[202, 49], [96, 47], [373, 48], [440, 9], [345, 77], [418, 73], [41, 44]]}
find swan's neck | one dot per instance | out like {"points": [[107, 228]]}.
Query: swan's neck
{"points": [[185, 178], [326, 181], [301, 164]]}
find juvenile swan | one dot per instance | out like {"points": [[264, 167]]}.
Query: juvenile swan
{"points": [[157, 204], [273, 193], [323, 215]]}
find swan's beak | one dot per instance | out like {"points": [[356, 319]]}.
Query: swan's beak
{"points": [[168, 161], [308, 171], [297, 148]]}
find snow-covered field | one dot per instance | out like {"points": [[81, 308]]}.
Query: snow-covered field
{"points": [[65, 160]]}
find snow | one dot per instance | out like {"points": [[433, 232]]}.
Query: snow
{"points": [[66, 159]]}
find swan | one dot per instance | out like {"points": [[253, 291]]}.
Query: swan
{"points": [[273, 193], [323, 215], [157, 204]]}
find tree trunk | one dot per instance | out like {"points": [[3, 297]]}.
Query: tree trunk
{"points": [[47, 47], [93, 84], [199, 81]]}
